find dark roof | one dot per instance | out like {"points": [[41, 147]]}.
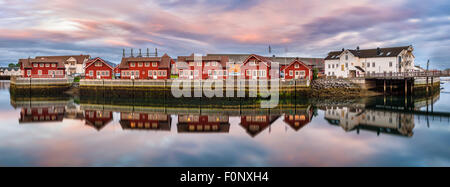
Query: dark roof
{"points": [[239, 58], [26, 63], [222, 59], [79, 58], [164, 61], [9, 68], [370, 53]]}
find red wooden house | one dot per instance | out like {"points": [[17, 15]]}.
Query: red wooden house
{"points": [[97, 118], [297, 70], [203, 124], [98, 68], [256, 124], [145, 67], [42, 68], [210, 67], [145, 121], [256, 67]]}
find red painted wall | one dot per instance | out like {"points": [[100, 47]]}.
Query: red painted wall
{"points": [[301, 67], [45, 71], [94, 69], [143, 71], [259, 66]]}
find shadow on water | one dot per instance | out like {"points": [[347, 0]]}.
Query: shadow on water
{"points": [[155, 110]]}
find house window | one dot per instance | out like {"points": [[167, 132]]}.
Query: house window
{"points": [[368, 64], [147, 64], [297, 66], [248, 72], [214, 64], [346, 57], [47, 65], [399, 59], [53, 65], [291, 73], [199, 64], [346, 65], [154, 64], [98, 64], [373, 64], [209, 72], [329, 66], [91, 73], [35, 65], [140, 64], [132, 64], [28, 72], [41, 65], [302, 73], [39, 72], [390, 64]]}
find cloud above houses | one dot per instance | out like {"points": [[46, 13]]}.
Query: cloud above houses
{"points": [[291, 27]]}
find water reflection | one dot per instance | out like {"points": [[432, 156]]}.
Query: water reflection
{"points": [[375, 115], [354, 119]]}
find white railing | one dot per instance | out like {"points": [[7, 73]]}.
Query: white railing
{"points": [[408, 74]]}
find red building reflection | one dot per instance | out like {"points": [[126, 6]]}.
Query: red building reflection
{"points": [[145, 121], [203, 124], [98, 118], [42, 114], [255, 124], [299, 120]]}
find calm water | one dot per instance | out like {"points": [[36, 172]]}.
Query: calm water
{"points": [[65, 131]]}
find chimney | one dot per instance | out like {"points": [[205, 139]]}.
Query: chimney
{"points": [[131, 52], [357, 49], [140, 53], [343, 49], [378, 51], [156, 52], [273, 56], [148, 52]]}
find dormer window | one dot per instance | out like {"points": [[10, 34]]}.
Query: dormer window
{"points": [[132, 64], [389, 53], [35, 65], [53, 65], [41, 65], [140, 64]]}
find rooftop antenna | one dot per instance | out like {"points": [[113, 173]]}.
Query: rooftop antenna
{"points": [[131, 52], [270, 49], [123, 55], [140, 53], [156, 52]]}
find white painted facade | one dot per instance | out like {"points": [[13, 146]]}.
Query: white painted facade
{"points": [[345, 65], [10, 72]]}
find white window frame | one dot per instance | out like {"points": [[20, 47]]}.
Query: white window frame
{"points": [[154, 64]]}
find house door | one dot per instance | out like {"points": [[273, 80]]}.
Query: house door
{"points": [[297, 74], [191, 76], [255, 74]]}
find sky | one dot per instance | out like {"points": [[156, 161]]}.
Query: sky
{"points": [[299, 28]]}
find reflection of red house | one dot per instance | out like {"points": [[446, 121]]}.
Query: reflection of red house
{"points": [[145, 121], [97, 118], [255, 124], [203, 124], [210, 67], [297, 70], [145, 67], [99, 68], [42, 114], [256, 67], [299, 120], [42, 68]]}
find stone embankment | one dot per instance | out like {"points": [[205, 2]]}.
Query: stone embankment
{"points": [[337, 88]]}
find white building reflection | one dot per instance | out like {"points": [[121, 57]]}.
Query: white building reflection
{"points": [[388, 122]]}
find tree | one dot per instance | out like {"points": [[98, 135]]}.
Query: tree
{"points": [[315, 73], [12, 65]]}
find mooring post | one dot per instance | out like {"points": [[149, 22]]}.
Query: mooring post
{"points": [[406, 87], [384, 87], [427, 84], [432, 84]]}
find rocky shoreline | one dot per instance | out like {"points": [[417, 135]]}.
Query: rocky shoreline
{"points": [[338, 88]]}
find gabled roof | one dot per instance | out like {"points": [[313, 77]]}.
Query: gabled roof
{"points": [[164, 61], [223, 60], [293, 62], [266, 60], [92, 61], [79, 58], [370, 53]]}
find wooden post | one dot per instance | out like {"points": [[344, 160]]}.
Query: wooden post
{"points": [[427, 84], [384, 87], [406, 87], [412, 87]]}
